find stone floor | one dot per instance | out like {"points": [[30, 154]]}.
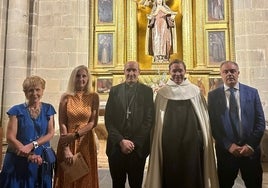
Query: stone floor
{"points": [[105, 178]]}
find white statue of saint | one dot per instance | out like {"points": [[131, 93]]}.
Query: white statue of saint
{"points": [[161, 32]]}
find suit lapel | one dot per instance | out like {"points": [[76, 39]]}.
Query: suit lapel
{"points": [[243, 102], [221, 95], [243, 97]]}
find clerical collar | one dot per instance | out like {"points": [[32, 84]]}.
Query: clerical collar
{"points": [[132, 85]]}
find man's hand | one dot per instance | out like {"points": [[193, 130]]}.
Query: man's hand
{"points": [[235, 150], [127, 146], [246, 151]]}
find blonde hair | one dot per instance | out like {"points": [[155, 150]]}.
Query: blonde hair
{"points": [[32, 81], [71, 84]]}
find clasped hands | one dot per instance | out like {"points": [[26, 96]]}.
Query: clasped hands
{"points": [[35, 158], [26, 151], [127, 146], [240, 151]]}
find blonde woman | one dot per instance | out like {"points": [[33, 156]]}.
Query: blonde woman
{"points": [[78, 115]]}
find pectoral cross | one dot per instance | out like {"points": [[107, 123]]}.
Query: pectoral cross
{"points": [[128, 112]]}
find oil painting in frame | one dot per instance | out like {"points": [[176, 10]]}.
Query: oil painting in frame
{"points": [[105, 11], [215, 10], [104, 84], [216, 47], [105, 46]]}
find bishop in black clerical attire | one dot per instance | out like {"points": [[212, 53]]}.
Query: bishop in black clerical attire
{"points": [[129, 116]]}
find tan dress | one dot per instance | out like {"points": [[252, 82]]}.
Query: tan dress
{"points": [[79, 111]]}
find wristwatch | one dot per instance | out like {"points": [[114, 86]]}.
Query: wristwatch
{"points": [[35, 144]]}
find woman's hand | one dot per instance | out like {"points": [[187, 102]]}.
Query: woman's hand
{"points": [[66, 138], [25, 150], [68, 156], [35, 158]]}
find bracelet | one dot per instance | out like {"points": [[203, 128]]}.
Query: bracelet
{"points": [[76, 135], [35, 144]]}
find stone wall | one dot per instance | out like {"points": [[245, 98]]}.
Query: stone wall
{"points": [[46, 38], [63, 41], [251, 44]]}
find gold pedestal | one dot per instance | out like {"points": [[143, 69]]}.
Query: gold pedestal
{"points": [[163, 66]]}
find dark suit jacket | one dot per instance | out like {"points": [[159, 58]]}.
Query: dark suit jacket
{"points": [[252, 117], [115, 118]]}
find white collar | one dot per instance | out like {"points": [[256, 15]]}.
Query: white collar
{"points": [[226, 88], [186, 90]]}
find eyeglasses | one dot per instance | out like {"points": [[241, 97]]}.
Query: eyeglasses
{"points": [[232, 71]]}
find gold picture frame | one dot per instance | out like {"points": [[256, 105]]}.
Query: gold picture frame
{"points": [[217, 45], [105, 49], [103, 85], [216, 10], [105, 12]]}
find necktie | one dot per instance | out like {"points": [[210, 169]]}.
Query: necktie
{"points": [[233, 112]]}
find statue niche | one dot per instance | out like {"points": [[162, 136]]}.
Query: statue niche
{"points": [[160, 34]]}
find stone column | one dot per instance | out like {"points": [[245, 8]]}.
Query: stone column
{"points": [[3, 15], [15, 63]]}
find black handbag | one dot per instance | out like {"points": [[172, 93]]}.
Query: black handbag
{"points": [[48, 155]]}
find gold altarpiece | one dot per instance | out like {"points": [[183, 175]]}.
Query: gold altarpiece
{"points": [[117, 34]]}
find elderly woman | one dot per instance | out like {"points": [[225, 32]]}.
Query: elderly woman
{"points": [[29, 130], [78, 115]]}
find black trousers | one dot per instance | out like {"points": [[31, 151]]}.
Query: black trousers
{"points": [[123, 166], [229, 166]]}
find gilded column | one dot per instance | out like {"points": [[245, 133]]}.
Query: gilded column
{"points": [[121, 35], [187, 35], [200, 19]]}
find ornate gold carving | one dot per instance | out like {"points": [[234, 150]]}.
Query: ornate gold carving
{"points": [[129, 28]]}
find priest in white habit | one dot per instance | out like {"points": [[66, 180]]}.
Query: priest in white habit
{"points": [[182, 153]]}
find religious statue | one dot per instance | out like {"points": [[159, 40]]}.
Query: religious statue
{"points": [[161, 31]]}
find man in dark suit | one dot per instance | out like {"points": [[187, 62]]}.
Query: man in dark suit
{"points": [[128, 118], [237, 141]]}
